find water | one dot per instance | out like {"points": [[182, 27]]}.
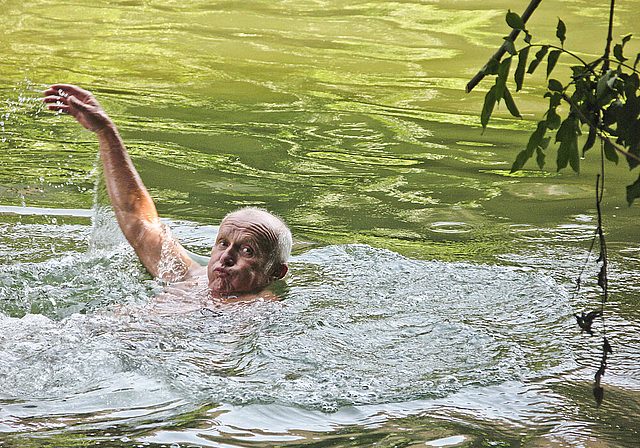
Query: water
{"points": [[430, 298]]}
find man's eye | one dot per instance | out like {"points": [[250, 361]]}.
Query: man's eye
{"points": [[247, 250], [223, 243]]}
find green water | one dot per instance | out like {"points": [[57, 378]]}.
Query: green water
{"points": [[431, 292]]}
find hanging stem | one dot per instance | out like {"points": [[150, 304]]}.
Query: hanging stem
{"points": [[607, 49], [602, 277], [598, 391]]}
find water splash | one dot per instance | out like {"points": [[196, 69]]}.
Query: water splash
{"points": [[105, 231]]}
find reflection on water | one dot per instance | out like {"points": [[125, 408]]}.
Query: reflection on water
{"points": [[430, 299]]}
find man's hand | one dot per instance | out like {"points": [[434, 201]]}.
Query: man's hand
{"points": [[78, 103]]}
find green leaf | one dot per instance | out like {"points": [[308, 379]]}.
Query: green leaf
{"points": [[568, 152], [611, 82], [612, 113], [603, 85], [540, 158], [617, 52], [561, 31], [511, 105], [591, 139], [555, 85], [537, 143], [634, 149], [522, 63], [555, 98], [521, 159], [501, 80], [610, 152], [618, 48], [487, 109], [510, 46], [633, 191], [633, 84], [563, 156], [552, 60], [579, 71], [553, 119], [565, 132], [491, 68], [515, 21], [539, 57], [537, 136]]}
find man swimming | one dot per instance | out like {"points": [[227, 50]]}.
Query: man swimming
{"points": [[252, 245]]}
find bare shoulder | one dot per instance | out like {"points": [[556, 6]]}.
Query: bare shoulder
{"points": [[195, 271]]}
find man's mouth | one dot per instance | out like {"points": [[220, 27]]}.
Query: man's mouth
{"points": [[221, 272]]}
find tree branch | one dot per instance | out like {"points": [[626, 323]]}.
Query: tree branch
{"points": [[498, 54]]}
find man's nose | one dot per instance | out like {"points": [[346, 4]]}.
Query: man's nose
{"points": [[227, 258]]}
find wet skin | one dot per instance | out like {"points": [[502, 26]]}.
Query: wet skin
{"points": [[240, 257]]}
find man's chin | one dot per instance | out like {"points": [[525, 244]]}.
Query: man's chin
{"points": [[222, 287]]}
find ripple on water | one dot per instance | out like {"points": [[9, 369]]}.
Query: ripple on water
{"points": [[366, 325], [563, 232], [450, 227], [358, 326]]}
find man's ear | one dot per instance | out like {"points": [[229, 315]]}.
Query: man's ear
{"points": [[279, 271]]}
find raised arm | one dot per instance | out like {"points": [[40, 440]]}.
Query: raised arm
{"points": [[159, 252]]}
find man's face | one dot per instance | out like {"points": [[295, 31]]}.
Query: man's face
{"points": [[240, 255]]}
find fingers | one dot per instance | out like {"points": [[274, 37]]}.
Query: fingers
{"points": [[56, 103], [59, 108], [67, 90], [67, 105], [64, 97], [61, 96], [54, 99]]}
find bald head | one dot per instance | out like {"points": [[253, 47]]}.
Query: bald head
{"points": [[273, 231]]}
